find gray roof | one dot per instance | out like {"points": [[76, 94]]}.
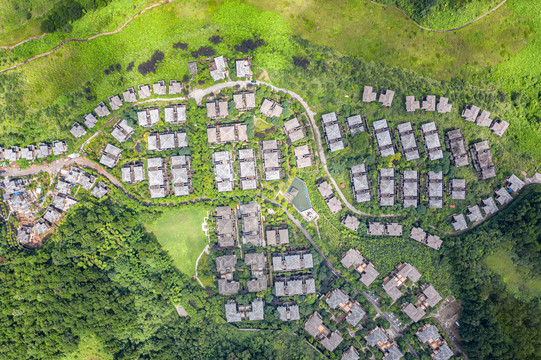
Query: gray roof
{"points": [[458, 189], [294, 130], [410, 188], [110, 156], [350, 354], [41, 227], [52, 215], [429, 103], [231, 313], [386, 187], [369, 274], [407, 140], [133, 173], [115, 102], [459, 222], [325, 189], [383, 137], [356, 314], [499, 127], [393, 353], [351, 222], [260, 283], [256, 261], [218, 68], [482, 159], [148, 117], [102, 110], [432, 296], [289, 312], [412, 104], [271, 108], [435, 189], [444, 106], [100, 191], [244, 101], [77, 130], [470, 112], [369, 95], [375, 229], [277, 236], [484, 119], [295, 261], [44, 150], [303, 156], [502, 196], [376, 336], [386, 97], [175, 114], [414, 313], [409, 271], [352, 258], [474, 213], [217, 109], [159, 88], [90, 120], [226, 264], [175, 87], [514, 184], [432, 141], [457, 146], [129, 95], [394, 229], [355, 124], [243, 68], [429, 333], [87, 181], [144, 91], [122, 131], [223, 170], [292, 287], [444, 352], [59, 147], [489, 206], [257, 312], [336, 298]]}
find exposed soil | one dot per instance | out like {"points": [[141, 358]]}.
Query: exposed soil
{"points": [[204, 51], [181, 46], [216, 39], [150, 66], [249, 45]]}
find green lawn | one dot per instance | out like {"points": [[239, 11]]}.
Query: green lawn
{"points": [[180, 233], [90, 348]]}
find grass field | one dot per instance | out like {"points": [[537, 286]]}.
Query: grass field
{"points": [[179, 232], [90, 348]]}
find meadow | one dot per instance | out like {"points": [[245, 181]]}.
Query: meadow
{"points": [[179, 232]]}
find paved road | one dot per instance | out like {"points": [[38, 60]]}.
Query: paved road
{"points": [[396, 330]]}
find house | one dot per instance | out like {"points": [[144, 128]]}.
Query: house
{"points": [[115, 102], [499, 127], [325, 189], [272, 160], [175, 87], [59, 147], [412, 104], [378, 337], [277, 236], [244, 101], [410, 189], [289, 312], [41, 227], [87, 181], [444, 106], [474, 214], [432, 141], [394, 229], [122, 131], [470, 112], [386, 187], [428, 297], [258, 265], [181, 175], [415, 313], [226, 226], [218, 68], [303, 156], [144, 91], [102, 110], [429, 103], [25, 235], [435, 189], [175, 114], [482, 160], [52, 215], [398, 277], [192, 67], [489, 206], [430, 335], [292, 261], [217, 109], [223, 170], [294, 130], [383, 137], [429, 240], [219, 134], [90, 120], [44, 150], [74, 175], [360, 183], [457, 146], [503, 197], [157, 182], [225, 267], [244, 68], [148, 117], [294, 285], [351, 222], [250, 215], [253, 312], [77, 130], [314, 326], [62, 187], [410, 150], [159, 88], [12, 154], [356, 124], [366, 269], [133, 173], [351, 308], [129, 95], [375, 229], [63, 202], [513, 183], [386, 98], [333, 133], [457, 187], [166, 141], [484, 119], [270, 108], [350, 354], [110, 156], [247, 169], [29, 152], [100, 190], [459, 222], [369, 95]]}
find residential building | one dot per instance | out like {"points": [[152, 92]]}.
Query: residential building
{"points": [[294, 285], [29, 152], [159, 88], [457, 146], [167, 141], [44, 150], [157, 181], [350, 354], [59, 147], [386, 187], [366, 269], [102, 110], [148, 117], [289, 312], [397, 278], [176, 87], [77, 130], [484, 119], [110, 156], [258, 265], [474, 214], [410, 189], [430, 335], [432, 141], [356, 124], [244, 101], [351, 308], [129, 95], [292, 261], [219, 134], [459, 222], [175, 114], [386, 98], [412, 104], [247, 169], [218, 68], [217, 109], [192, 67], [303, 156], [325, 189], [277, 236], [429, 103], [133, 173], [351, 222], [223, 170], [253, 312], [90, 120], [435, 189], [100, 190], [379, 338], [181, 175], [360, 183], [226, 226], [271, 108], [315, 327], [470, 112], [225, 267], [63, 202], [375, 229], [457, 188], [244, 68], [250, 215], [499, 127], [489, 206], [272, 160], [383, 137], [429, 240], [503, 197], [444, 106], [122, 131], [482, 160], [369, 95], [333, 132], [410, 150], [513, 183], [144, 91], [115, 102], [294, 130]]}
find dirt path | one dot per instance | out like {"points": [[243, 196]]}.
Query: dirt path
{"points": [[11, 47], [441, 31], [84, 40]]}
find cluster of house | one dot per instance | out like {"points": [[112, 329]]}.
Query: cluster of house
{"points": [[430, 335], [430, 240], [503, 196], [219, 71], [427, 298], [334, 135], [160, 183], [353, 258], [379, 338], [18, 197], [427, 103], [33, 152], [471, 113], [325, 189]]}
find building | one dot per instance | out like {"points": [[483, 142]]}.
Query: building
{"points": [[470, 112], [366, 269], [430, 335], [325, 189], [383, 137], [499, 127], [435, 189], [459, 222], [429, 103], [484, 119], [77, 130], [122, 131], [176, 87], [87, 181], [90, 120], [159, 88], [503, 197], [489, 206], [59, 147], [144, 91], [397, 278], [414, 313], [314, 326], [294, 130], [294, 285], [218, 68], [63, 202], [444, 106], [166, 141], [303, 156], [412, 104], [29, 152], [351, 308], [133, 173], [192, 67], [244, 101], [410, 189], [350, 354], [482, 160], [432, 141], [102, 110], [223, 170], [110, 156], [379, 338], [428, 298], [271, 108], [289, 312], [410, 150], [272, 160], [375, 229], [44, 150], [217, 109], [386, 98], [292, 261], [175, 114], [457, 146], [100, 190], [360, 183], [369, 95], [351, 222], [129, 95], [219, 134], [115, 102], [250, 215], [258, 265], [12, 154], [253, 312], [226, 226], [457, 188], [148, 117], [386, 187], [393, 229], [247, 169], [333, 133], [277, 236], [356, 124], [157, 181], [474, 214], [513, 183], [429, 240], [181, 175], [244, 68], [225, 267]]}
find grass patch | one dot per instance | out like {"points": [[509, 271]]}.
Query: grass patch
{"points": [[260, 125], [179, 232], [89, 348]]}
